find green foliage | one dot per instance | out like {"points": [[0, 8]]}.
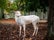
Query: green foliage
{"points": [[27, 5], [3, 3], [44, 4], [20, 4], [24, 5], [12, 7]]}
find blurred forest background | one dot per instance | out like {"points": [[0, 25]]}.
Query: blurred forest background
{"points": [[27, 7]]}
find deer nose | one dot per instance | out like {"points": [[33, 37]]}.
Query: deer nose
{"points": [[17, 16]]}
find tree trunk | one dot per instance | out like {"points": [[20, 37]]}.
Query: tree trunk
{"points": [[2, 11], [50, 34]]}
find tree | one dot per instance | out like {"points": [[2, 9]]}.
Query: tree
{"points": [[50, 34], [3, 4]]}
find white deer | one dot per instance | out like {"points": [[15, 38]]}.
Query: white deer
{"points": [[24, 20]]}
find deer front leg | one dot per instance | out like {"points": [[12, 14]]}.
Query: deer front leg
{"points": [[24, 32], [36, 30], [20, 30], [34, 25]]}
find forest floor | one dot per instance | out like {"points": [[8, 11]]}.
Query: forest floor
{"points": [[9, 30]]}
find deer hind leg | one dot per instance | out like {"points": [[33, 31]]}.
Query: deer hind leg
{"points": [[36, 29], [34, 25]]}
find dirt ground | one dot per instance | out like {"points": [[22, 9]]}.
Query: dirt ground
{"points": [[9, 30]]}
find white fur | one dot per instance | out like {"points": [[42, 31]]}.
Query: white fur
{"points": [[24, 20]]}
